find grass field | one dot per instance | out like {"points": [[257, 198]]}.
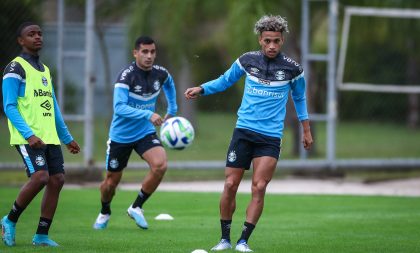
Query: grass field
{"points": [[290, 223]]}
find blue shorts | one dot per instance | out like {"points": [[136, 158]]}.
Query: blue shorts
{"points": [[246, 145], [117, 154], [49, 158]]}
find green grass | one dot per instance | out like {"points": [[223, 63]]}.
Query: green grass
{"points": [[290, 223], [213, 132]]}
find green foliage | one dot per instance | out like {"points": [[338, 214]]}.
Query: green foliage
{"points": [[174, 24], [290, 223], [361, 106], [380, 51], [12, 14]]}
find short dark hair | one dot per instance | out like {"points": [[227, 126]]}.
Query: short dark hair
{"points": [[146, 40], [23, 26]]}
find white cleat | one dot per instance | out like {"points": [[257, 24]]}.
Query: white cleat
{"points": [[222, 245], [102, 221], [242, 246], [137, 215]]}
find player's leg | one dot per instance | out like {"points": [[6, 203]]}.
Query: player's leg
{"points": [[107, 188], [116, 160], [154, 154], [227, 206], [52, 191], [264, 168], [238, 160], [266, 152], [157, 160], [37, 171], [233, 177]]}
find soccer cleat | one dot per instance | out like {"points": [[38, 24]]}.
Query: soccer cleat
{"points": [[43, 240], [137, 215], [242, 246], [222, 245], [101, 221], [8, 231]]}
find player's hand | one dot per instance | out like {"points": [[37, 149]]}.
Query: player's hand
{"points": [[35, 142], [192, 93], [167, 116], [73, 147], [156, 119], [307, 140]]}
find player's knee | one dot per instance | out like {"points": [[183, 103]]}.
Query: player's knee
{"points": [[40, 178], [57, 180], [110, 184], [260, 186], [231, 186], [159, 168]]}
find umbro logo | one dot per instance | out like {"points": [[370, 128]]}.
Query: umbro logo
{"points": [[137, 88], [46, 104], [43, 224]]}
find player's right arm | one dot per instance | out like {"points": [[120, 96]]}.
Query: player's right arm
{"points": [[14, 87], [231, 76]]}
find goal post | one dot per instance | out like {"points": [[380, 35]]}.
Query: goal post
{"points": [[370, 87]]}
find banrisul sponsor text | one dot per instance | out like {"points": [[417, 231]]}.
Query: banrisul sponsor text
{"points": [[42, 93]]}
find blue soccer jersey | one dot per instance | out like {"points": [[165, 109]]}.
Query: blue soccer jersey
{"points": [[267, 85], [135, 95]]}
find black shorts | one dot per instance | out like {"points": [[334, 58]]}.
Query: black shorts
{"points": [[49, 158], [246, 145], [117, 154]]}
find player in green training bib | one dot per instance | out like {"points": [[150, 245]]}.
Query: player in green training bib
{"points": [[36, 128]]}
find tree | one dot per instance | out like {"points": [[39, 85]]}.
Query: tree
{"points": [[180, 30], [12, 14]]}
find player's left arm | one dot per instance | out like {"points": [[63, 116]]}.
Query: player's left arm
{"points": [[62, 130], [170, 94], [299, 99], [298, 87]]}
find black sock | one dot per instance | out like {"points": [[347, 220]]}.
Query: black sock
{"points": [[225, 225], [106, 208], [43, 226], [141, 198], [246, 231], [15, 212]]}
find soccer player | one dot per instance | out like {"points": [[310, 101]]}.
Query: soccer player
{"points": [[36, 127], [270, 76], [133, 128]]}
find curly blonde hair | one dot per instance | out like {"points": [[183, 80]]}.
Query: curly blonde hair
{"points": [[271, 23]]}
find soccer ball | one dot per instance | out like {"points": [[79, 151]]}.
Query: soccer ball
{"points": [[177, 133]]}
